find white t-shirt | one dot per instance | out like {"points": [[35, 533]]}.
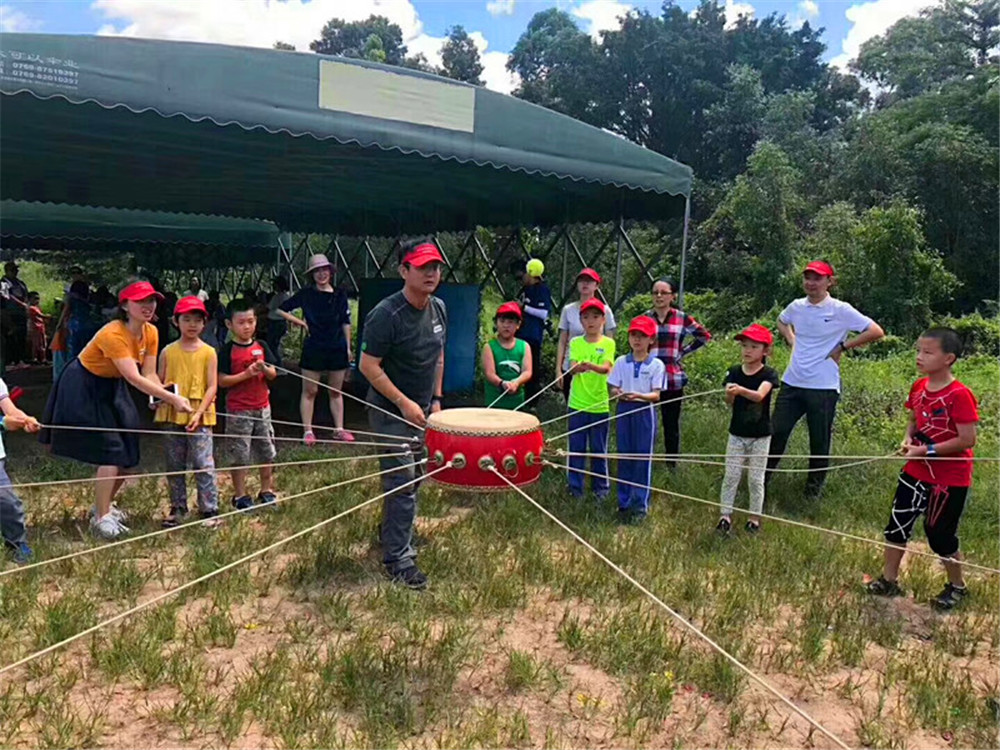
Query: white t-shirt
{"points": [[818, 330], [638, 377], [569, 320], [202, 294]]}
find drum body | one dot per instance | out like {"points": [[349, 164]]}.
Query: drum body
{"points": [[476, 439]]}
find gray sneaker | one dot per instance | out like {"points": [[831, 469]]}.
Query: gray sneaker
{"points": [[109, 527], [115, 511]]}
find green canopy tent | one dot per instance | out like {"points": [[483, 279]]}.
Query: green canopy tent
{"points": [[312, 143], [159, 241]]}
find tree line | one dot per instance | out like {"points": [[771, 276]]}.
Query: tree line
{"points": [[889, 170]]}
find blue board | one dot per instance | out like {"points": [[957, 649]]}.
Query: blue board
{"points": [[462, 344]]}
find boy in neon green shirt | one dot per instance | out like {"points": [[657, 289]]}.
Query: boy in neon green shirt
{"points": [[591, 358]]}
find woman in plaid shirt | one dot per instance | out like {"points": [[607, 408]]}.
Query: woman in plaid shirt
{"points": [[673, 326]]}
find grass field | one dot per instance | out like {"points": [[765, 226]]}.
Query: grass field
{"points": [[523, 639]]}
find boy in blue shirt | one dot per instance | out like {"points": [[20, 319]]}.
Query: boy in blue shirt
{"points": [[15, 536], [536, 300], [636, 381]]}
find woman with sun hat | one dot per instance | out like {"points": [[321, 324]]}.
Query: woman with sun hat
{"points": [[326, 319]]}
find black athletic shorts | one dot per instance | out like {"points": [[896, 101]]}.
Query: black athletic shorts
{"points": [[941, 507]]}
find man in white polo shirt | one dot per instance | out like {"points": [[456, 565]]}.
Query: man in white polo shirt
{"points": [[816, 327]]}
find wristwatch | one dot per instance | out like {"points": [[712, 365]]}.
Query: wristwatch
{"points": [[2, 423], [931, 449]]}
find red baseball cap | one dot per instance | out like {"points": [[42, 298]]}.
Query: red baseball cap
{"points": [[137, 291], [643, 324], [589, 273], [756, 332], [592, 304], [509, 308], [423, 254], [821, 267], [190, 304]]}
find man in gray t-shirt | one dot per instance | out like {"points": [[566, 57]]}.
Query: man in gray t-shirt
{"points": [[402, 357]]}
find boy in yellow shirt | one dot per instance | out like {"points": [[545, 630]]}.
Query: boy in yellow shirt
{"points": [[591, 357], [192, 366]]}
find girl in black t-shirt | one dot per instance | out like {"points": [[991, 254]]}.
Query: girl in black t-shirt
{"points": [[748, 391]]}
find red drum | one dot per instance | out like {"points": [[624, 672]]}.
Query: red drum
{"points": [[476, 439]]}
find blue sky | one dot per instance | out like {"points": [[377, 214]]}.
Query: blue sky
{"points": [[495, 24]]}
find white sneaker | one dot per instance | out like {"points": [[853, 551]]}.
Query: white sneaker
{"points": [[108, 527], [115, 511]]}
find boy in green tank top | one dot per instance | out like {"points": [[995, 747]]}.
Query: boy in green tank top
{"points": [[506, 360]]}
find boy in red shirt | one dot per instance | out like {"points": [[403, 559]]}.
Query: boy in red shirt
{"points": [[246, 365], [943, 416]]}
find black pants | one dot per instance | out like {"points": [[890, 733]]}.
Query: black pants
{"points": [[531, 387], [670, 413], [819, 407]]}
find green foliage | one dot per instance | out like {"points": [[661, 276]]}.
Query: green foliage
{"points": [[749, 240], [883, 264], [460, 57], [980, 335]]}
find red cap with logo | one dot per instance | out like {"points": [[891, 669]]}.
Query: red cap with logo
{"points": [[589, 273], [190, 304], [509, 308], [756, 332], [423, 254], [643, 324], [592, 304], [821, 267], [137, 291]]}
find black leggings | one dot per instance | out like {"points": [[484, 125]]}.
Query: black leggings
{"points": [[670, 413], [940, 506]]}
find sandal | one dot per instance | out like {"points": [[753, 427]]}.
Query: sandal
{"points": [[343, 435], [309, 438]]}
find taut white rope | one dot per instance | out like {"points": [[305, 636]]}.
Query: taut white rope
{"points": [[676, 615], [286, 423], [201, 579], [789, 521], [196, 523], [348, 395], [540, 392], [154, 474], [613, 417], [656, 457]]}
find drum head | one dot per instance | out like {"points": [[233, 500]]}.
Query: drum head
{"points": [[481, 421]]}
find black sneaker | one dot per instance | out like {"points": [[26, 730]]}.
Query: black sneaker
{"points": [[753, 529], [724, 527], [410, 577], [243, 503], [267, 498], [176, 518], [950, 598], [882, 587]]}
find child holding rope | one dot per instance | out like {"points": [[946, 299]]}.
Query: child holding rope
{"points": [[507, 363], [636, 381], [590, 361], [748, 391], [943, 416], [15, 536], [246, 365], [191, 366]]}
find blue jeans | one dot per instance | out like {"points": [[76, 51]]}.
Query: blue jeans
{"points": [[399, 509], [11, 511], [636, 429], [596, 435]]}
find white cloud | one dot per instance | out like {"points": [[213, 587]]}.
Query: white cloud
{"points": [[14, 21], [872, 19], [601, 15], [735, 9], [500, 7], [261, 23], [807, 10]]}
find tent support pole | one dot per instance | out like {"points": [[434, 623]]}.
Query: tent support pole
{"points": [[684, 248], [618, 262]]}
